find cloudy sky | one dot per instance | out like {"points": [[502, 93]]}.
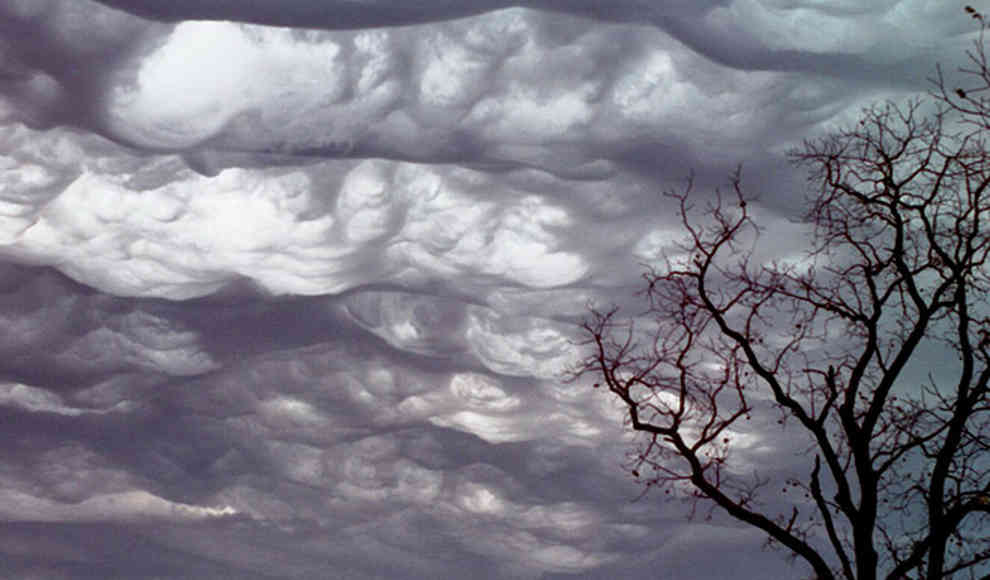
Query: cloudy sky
{"points": [[288, 286]]}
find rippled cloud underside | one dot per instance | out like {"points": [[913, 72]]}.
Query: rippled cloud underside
{"points": [[288, 287]]}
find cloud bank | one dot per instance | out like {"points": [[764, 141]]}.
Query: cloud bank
{"points": [[288, 288]]}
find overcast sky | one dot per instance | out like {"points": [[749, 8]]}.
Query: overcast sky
{"points": [[288, 286]]}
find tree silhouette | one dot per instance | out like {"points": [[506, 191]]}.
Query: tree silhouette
{"points": [[896, 481]]}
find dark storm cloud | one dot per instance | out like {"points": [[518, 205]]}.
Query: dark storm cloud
{"points": [[708, 27], [284, 302]]}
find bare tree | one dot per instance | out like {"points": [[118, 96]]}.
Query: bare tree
{"points": [[896, 482]]}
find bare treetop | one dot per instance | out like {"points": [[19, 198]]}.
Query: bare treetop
{"points": [[896, 483]]}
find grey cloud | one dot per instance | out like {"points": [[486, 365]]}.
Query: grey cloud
{"points": [[459, 91], [286, 441], [379, 13], [720, 30], [295, 302], [55, 334], [105, 551]]}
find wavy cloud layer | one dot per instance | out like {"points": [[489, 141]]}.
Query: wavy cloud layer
{"points": [[288, 288]]}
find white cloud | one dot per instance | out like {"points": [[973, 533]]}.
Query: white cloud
{"points": [[137, 505]]}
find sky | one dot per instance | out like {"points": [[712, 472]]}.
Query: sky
{"points": [[289, 287]]}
